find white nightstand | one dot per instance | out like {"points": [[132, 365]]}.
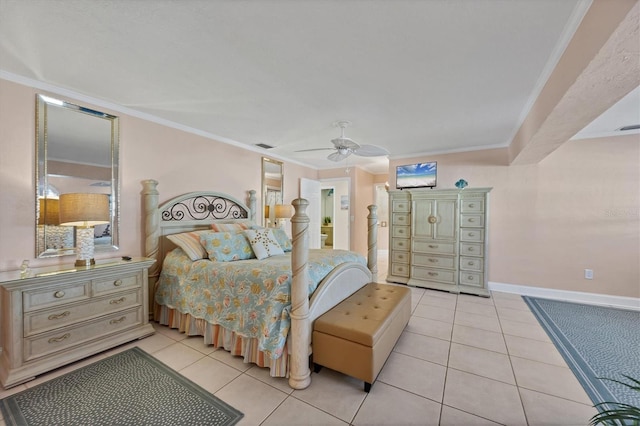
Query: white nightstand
{"points": [[57, 315]]}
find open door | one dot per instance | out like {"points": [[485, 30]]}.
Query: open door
{"points": [[310, 190]]}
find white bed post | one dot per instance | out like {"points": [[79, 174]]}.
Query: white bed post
{"points": [[372, 253], [150, 200], [252, 205], [299, 372]]}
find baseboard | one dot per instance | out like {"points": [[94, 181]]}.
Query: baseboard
{"points": [[569, 296]]}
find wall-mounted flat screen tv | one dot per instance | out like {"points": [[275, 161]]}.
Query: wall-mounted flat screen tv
{"points": [[419, 175]]}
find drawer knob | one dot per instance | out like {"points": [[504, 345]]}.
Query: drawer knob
{"points": [[117, 321], [400, 244], [433, 246], [58, 294], [58, 316], [471, 234], [117, 283], [471, 219], [470, 249], [59, 339], [470, 277], [117, 301], [470, 263], [433, 260], [471, 205], [433, 274], [400, 231], [400, 257], [432, 219]]}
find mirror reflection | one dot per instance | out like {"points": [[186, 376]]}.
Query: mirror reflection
{"points": [[77, 152], [272, 185]]}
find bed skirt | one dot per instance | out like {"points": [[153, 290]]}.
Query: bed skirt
{"points": [[220, 337]]}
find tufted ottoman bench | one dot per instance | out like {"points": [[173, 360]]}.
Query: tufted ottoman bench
{"points": [[356, 336]]}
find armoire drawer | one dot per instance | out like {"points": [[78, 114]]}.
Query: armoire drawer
{"points": [[400, 269], [399, 256], [474, 279], [471, 263], [433, 247], [473, 235], [400, 206], [471, 206], [401, 231], [400, 244], [401, 219], [472, 220], [429, 274], [471, 249], [433, 261]]}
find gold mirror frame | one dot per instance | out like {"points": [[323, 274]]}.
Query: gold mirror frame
{"points": [[77, 150], [272, 184]]}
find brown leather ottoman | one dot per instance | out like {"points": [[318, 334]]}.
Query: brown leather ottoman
{"points": [[357, 335]]}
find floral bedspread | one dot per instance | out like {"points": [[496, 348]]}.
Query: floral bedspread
{"points": [[250, 297]]}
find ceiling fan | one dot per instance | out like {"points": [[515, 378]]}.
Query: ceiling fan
{"points": [[345, 146]]}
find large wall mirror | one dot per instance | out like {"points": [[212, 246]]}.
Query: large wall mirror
{"points": [[272, 186], [77, 152]]}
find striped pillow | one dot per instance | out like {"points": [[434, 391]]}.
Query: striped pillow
{"points": [[229, 227], [189, 242]]}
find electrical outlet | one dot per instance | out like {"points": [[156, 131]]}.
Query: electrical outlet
{"points": [[588, 274]]}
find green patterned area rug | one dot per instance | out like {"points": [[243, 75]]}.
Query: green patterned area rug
{"points": [[597, 342], [129, 388]]}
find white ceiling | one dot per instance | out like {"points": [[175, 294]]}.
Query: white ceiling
{"points": [[414, 77]]}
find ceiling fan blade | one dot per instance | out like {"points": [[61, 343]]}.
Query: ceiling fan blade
{"points": [[339, 156], [370, 151], [343, 142], [315, 149]]}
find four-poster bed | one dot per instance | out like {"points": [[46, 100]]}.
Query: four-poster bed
{"points": [[202, 211]]}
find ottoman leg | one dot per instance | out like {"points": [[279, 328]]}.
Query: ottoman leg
{"points": [[367, 387]]}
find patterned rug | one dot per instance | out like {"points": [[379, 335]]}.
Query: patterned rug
{"points": [[129, 388], [596, 342]]}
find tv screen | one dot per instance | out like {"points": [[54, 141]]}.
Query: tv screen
{"points": [[419, 175]]}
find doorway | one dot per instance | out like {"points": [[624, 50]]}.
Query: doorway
{"points": [[334, 201]]}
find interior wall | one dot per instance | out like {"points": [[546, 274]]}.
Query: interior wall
{"points": [[178, 160], [577, 209]]}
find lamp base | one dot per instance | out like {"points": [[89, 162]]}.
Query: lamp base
{"points": [[85, 262]]}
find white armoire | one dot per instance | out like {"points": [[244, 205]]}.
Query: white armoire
{"points": [[439, 239]]}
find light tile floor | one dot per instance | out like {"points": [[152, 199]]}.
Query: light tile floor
{"points": [[462, 360]]}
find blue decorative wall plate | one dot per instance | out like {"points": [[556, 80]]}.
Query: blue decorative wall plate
{"points": [[461, 184]]}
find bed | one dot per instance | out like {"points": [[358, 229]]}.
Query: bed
{"points": [[285, 346]]}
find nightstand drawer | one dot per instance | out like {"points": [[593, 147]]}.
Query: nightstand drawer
{"points": [[55, 295], [59, 340], [51, 319], [116, 283]]}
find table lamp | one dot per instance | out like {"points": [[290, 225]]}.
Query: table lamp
{"points": [[282, 211], [84, 211]]}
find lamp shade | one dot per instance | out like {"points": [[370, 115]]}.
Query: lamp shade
{"points": [[84, 209], [266, 212], [49, 211], [283, 211]]}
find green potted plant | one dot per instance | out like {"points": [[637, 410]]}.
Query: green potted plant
{"points": [[620, 414], [327, 220]]}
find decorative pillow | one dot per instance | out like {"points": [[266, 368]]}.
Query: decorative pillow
{"points": [[283, 239], [263, 243], [230, 227], [189, 242], [226, 246]]}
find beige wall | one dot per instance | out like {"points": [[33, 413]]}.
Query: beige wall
{"points": [[577, 209], [178, 160]]}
